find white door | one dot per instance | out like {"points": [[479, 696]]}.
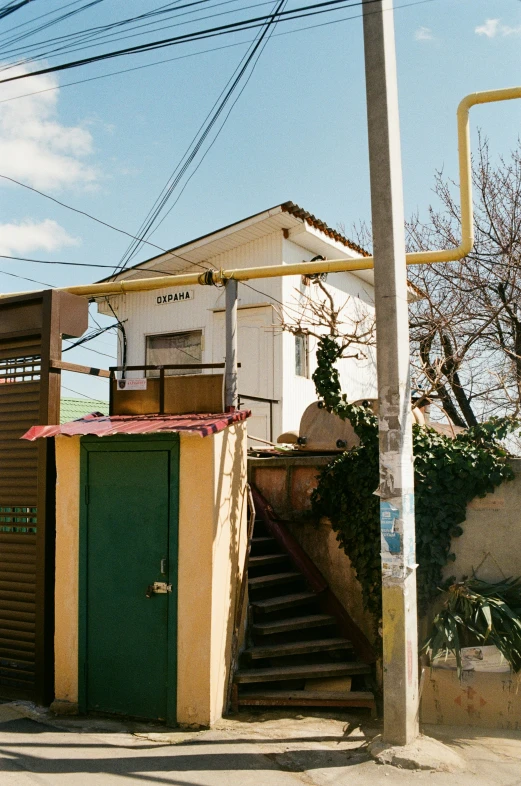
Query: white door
{"points": [[255, 342]]}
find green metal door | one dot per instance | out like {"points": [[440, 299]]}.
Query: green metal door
{"points": [[129, 542]]}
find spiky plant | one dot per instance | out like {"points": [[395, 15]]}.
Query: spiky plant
{"points": [[478, 612]]}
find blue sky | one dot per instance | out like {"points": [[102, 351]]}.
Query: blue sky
{"points": [[298, 131]]}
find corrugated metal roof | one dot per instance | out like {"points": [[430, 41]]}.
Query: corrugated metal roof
{"points": [[74, 408], [203, 425]]}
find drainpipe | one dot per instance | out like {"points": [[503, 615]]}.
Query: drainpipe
{"points": [[231, 391]]}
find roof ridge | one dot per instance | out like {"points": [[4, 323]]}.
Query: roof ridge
{"points": [[285, 207], [309, 218]]}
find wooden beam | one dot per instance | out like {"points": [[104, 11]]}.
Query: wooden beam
{"points": [[62, 365]]}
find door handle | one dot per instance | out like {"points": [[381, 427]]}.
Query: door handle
{"points": [[158, 588]]}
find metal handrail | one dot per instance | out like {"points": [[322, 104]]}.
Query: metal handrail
{"points": [[270, 401], [260, 398]]}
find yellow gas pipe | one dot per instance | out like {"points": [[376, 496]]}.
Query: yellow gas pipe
{"points": [[330, 265]]}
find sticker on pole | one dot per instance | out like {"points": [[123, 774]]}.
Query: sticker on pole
{"points": [[132, 384], [393, 541], [388, 515]]}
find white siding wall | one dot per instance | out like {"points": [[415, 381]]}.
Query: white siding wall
{"points": [[358, 377], [145, 317]]}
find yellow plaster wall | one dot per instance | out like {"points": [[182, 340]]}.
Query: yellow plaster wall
{"points": [[491, 540], [194, 585], [212, 545], [229, 549], [67, 573]]}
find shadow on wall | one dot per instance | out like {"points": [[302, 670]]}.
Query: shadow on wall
{"points": [[229, 549]]}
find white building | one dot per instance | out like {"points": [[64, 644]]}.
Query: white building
{"points": [[186, 325]]}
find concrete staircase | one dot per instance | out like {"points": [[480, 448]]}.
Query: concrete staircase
{"points": [[298, 653]]}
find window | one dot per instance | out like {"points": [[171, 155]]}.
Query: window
{"points": [[173, 348], [301, 356]]}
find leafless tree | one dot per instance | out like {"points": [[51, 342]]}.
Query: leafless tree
{"points": [[466, 331], [316, 314]]}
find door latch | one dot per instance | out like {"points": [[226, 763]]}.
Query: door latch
{"points": [[158, 588]]}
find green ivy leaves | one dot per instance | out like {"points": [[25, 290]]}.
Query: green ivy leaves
{"points": [[449, 473]]}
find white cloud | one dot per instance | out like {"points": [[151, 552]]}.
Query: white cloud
{"points": [[506, 30], [18, 239], [34, 146], [423, 34], [489, 29], [492, 28]]}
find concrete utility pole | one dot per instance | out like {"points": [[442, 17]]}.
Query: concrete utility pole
{"points": [[231, 389], [400, 637]]}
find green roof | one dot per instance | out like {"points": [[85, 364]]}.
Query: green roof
{"points": [[75, 408]]}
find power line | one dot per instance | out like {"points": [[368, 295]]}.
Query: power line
{"points": [[201, 52], [163, 41], [70, 41], [90, 349], [10, 8], [203, 133], [247, 24], [128, 70], [24, 278], [56, 21], [128, 234], [84, 264], [33, 58], [88, 337], [93, 218], [214, 140], [79, 394], [54, 262], [85, 31], [41, 16], [285, 306]]}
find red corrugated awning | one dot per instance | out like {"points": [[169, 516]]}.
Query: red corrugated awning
{"points": [[107, 425]]}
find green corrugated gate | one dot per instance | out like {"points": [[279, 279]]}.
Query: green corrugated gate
{"points": [[128, 541]]}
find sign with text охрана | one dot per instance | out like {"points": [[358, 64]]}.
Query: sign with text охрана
{"points": [[175, 297]]}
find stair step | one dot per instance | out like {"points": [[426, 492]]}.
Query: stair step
{"points": [[273, 578], [266, 559], [307, 698], [298, 648], [278, 673], [283, 601], [294, 623]]}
